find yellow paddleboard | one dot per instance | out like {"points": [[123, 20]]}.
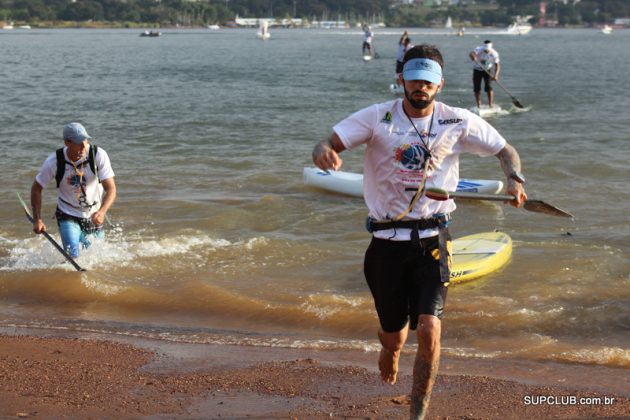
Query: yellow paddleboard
{"points": [[479, 254]]}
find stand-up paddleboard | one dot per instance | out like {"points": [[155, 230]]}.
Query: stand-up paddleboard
{"points": [[367, 57], [479, 254], [396, 89], [486, 111], [350, 183]]}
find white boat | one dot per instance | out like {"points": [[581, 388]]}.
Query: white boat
{"points": [[449, 23], [8, 26], [350, 183], [521, 26], [263, 30], [606, 30], [214, 27], [24, 27], [151, 33]]}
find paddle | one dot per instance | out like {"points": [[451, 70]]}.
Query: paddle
{"points": [[50, 238], [514, 100], [537, 206]]}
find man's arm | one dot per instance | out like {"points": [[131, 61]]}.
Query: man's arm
{"points": [[109, 186], [511, 164], [326, 153], [497, 69], [36, 207]]}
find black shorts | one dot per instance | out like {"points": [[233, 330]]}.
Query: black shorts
{"points": [[405, 281], [477, 76], [399, 66]]}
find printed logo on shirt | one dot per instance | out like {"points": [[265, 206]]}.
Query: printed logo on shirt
{"points": [[387, 119], [451, 121], [411, 156]]}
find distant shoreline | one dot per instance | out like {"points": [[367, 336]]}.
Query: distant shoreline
{"points": [[132, 25]]}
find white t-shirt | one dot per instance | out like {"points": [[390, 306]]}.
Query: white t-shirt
{"points": [[368, 35], [71, 198], [486, 59], [394, 157], [402, 50]]}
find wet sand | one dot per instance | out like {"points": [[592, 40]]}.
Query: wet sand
{"points": [[44, 376]]}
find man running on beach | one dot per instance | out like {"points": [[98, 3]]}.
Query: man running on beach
{"points": [[487, 67], [413, 143], [80, 170]]}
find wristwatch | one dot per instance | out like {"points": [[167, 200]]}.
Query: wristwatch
{"points": [[517, 176]]}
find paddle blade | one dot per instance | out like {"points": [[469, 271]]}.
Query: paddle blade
{"points": [[517, 103], [546, 208], [436, 194]]}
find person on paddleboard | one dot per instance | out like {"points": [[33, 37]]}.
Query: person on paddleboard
{"points": [[404, 45], [368, 36], [412, 144], [486, 67], [85, 189]]}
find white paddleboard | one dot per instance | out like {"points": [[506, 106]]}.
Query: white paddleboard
{"points": [[485, 111], [367, 57], [396, 89], [350, 183]]}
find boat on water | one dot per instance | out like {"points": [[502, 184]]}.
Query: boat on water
{"points": [[8, 26], [263, 30], [151, 33], [214, 27], [607, 29], [521, 26]]}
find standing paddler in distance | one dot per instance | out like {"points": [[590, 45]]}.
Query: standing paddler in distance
{"points": [[414, 143], [404, 45], [486, 67], [85, 189], [368, 37]]}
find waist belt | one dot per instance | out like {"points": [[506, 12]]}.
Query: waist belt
{"points": [[373, 225], [87, 225]]}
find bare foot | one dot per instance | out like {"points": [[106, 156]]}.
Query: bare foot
{"points": [[402, 400], [388, 365]]}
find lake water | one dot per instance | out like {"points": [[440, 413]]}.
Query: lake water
{"points": [[219, 241]]}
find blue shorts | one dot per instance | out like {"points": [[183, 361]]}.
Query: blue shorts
{"points": [[405, 281], [75, 232]]}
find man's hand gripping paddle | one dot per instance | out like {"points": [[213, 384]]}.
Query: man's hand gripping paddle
{"points": [[50, 238], [537, 206]]}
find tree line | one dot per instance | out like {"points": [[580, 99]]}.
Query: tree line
{"points": [[392, 13]]}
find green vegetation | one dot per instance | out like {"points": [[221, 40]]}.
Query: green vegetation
{"points": [[132, 13]]}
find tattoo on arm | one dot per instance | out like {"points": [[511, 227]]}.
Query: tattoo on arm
{"points": [[510, 160]]}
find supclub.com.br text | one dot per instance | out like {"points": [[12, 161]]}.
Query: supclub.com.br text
{"points": [[566, 400]]}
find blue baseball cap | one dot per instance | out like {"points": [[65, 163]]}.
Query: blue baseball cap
{"points": [[423, 69], [75, 132]]}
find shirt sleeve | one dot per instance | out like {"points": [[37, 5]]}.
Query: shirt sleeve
{"points": [[358, 128], [47, 171], [104, 165], [481, 138]]}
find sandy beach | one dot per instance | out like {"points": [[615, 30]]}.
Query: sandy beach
{"points": [[104, 377]]}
